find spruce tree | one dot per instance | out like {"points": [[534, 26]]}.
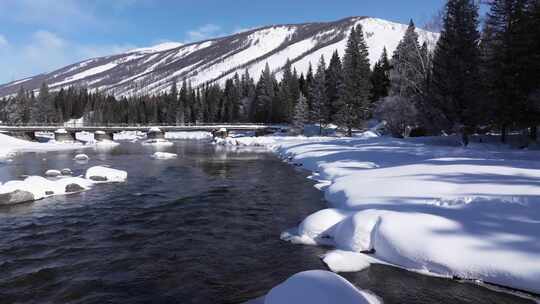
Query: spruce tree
{"points": [[380, 78], [354, 105], [334, 85], [318, 97], [455, 79], [301, 113], [503, 46]]}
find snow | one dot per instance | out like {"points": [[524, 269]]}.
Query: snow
{"points": [[164, 155], [158, 48], [425, 204], [61, 131], [10, 145], [157, 143], [346, 261], [41, 187], [81, 157], [109, 174], [53, 173], [198, 135], [318, 287], [87, 73], [154, 129]]}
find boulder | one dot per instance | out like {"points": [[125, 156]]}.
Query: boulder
{"points": [[66, 172], [16, 197], [98, 178], [74, 188]]}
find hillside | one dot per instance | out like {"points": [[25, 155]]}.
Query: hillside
{"points": [[153, 69]]}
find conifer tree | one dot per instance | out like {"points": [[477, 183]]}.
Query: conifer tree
{"points": [[503, 49], [354, 105], [334, 85], [456, 66], [301, 113], [318, 97], [380, 78]]}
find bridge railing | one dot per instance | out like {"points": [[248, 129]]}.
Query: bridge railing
{"points": [[117, 125]]}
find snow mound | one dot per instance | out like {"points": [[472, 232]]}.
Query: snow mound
{"points": [[154, 129], [318, 287], [104, 174], [164, 155], [81, 157], [320, 224], [346, 261], [53, 173]]}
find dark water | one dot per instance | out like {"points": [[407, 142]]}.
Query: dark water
{"points": [[203, 228]]}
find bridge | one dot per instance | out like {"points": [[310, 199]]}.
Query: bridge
{"points": [[106, 132]]}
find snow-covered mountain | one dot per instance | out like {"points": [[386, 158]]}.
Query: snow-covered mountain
{"points": [[153, 69]]}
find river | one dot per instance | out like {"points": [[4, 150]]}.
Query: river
{"points": [[202, 228]]}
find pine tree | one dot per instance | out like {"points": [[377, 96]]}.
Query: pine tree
{"points": [[265, 95], [334, 85], [172, 103], [318, 97], [301, 113], [354, 105], [380, 78], [503, 49], [456, 66]]}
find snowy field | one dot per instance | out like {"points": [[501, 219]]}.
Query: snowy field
{"points": [[425, 204]]}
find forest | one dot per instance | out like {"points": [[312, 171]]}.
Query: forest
{"points": [[482, 76]]}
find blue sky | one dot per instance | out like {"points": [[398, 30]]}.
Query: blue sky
{"points": [[41, 35]]}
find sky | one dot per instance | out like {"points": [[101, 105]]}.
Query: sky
{"points": [[38, 36]]}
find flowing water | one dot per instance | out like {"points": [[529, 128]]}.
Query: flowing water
{"points": [[203, 228]]}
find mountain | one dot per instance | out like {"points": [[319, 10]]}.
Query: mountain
{"points": [[153, 70]]}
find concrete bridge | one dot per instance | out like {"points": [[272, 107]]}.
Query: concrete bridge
{"points": [[67, 133]]}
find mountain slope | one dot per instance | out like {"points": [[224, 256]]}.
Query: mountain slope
{"points": [[152, 70]]}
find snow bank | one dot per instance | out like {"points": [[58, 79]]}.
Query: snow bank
{"points": [[10, 145], [318, 287], [424, 204], [105, 174], [164, 155]]}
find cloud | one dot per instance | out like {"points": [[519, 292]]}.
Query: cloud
{"points": [[3, 41], [47, 51], [204, 32]]}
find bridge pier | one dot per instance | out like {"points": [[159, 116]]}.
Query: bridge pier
{"points": [[155, 133], [101, 135], [221, 133], [62, 135]]}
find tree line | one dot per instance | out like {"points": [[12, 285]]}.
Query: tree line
{"points": [[478, 78]]}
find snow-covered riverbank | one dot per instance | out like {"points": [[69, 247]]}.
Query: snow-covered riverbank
{"points": [[10, 145], [426, 204]]}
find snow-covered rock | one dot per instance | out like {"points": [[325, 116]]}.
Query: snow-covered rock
{"points": [[319, 226], [318, 287], [81, 157], [164, 155], [66, 172], [53, 173], [105, 174]]}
